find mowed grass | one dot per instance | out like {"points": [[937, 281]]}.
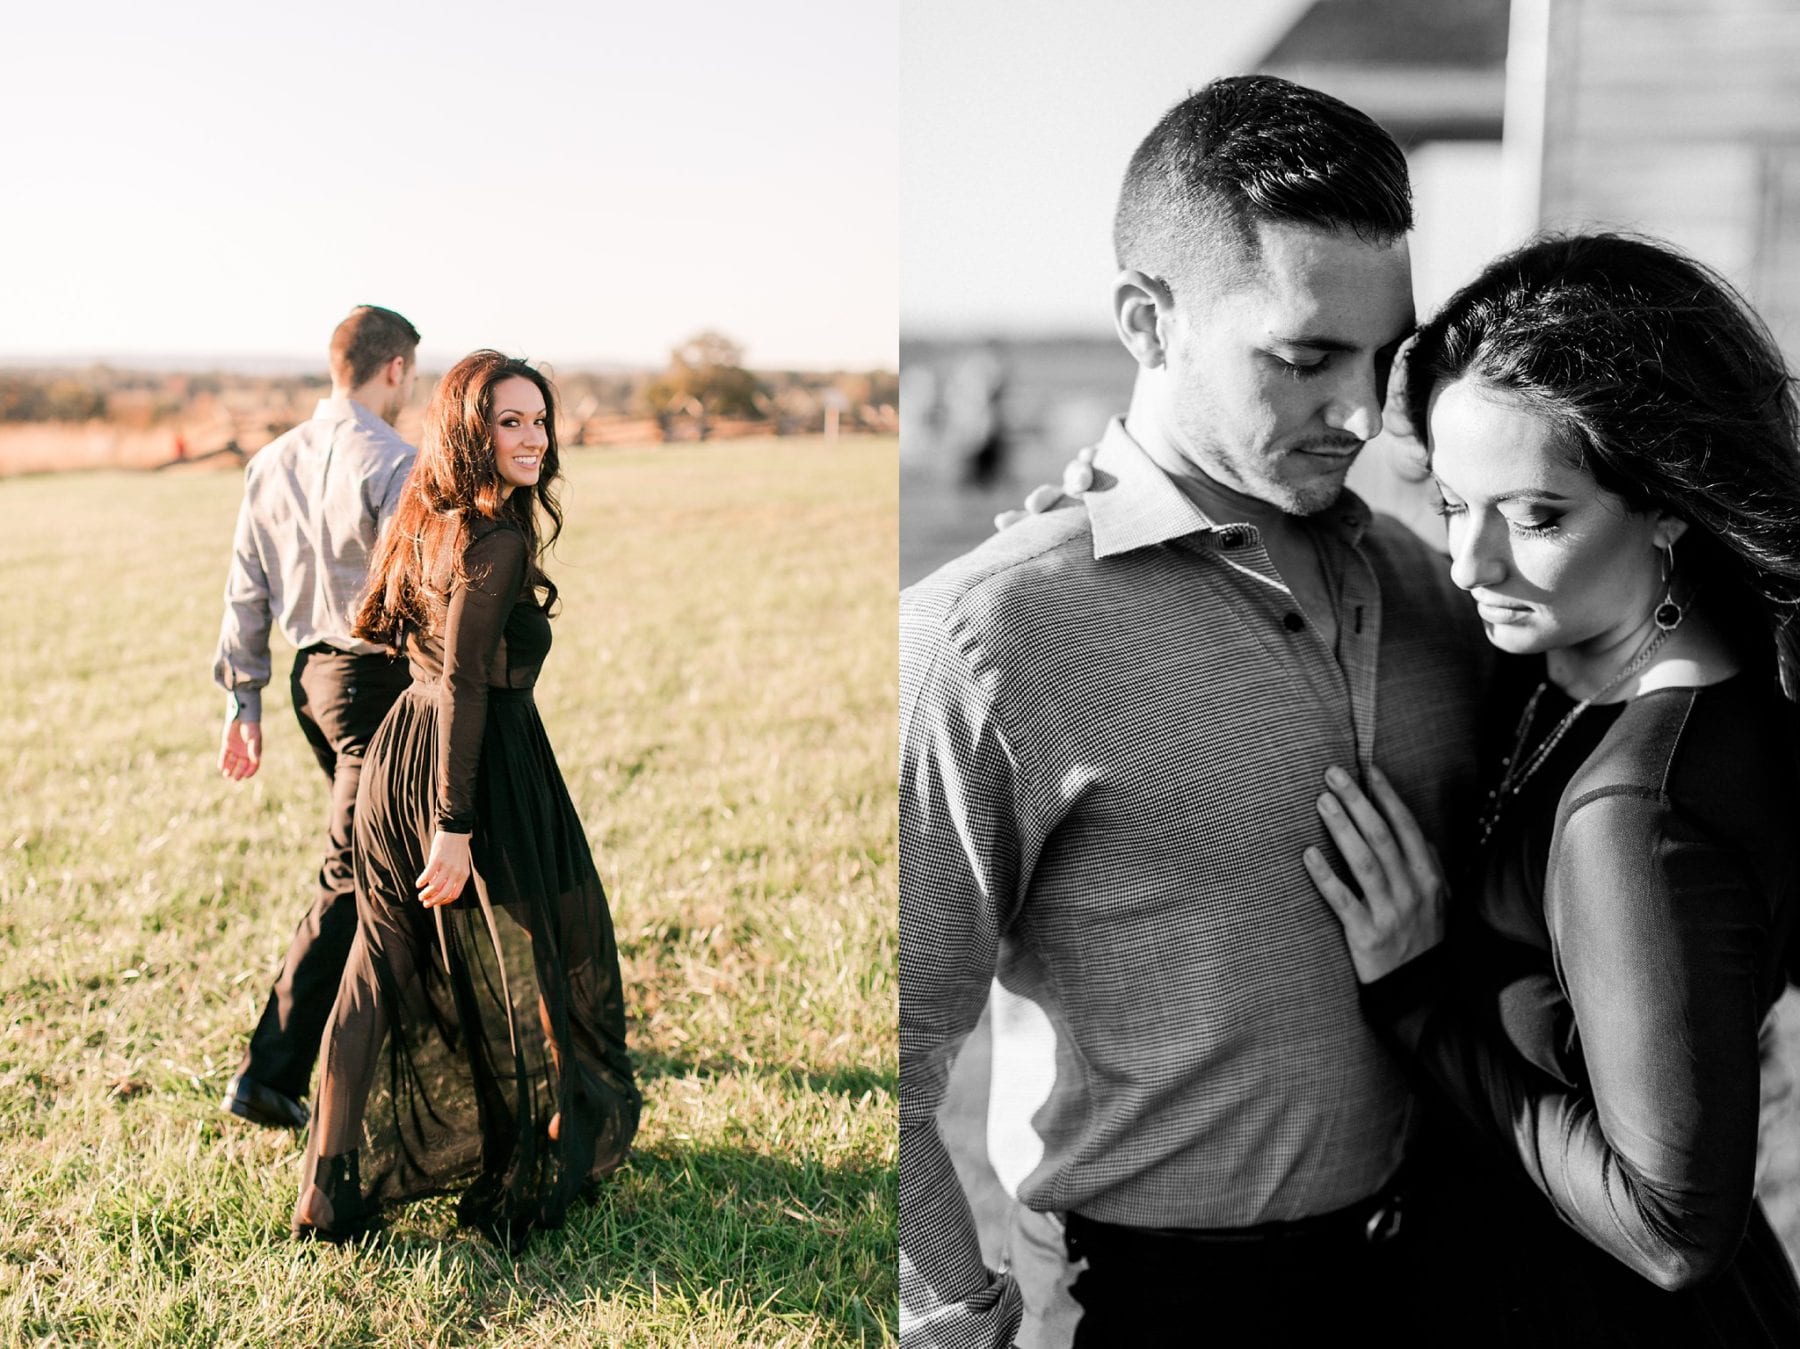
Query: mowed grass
{"points": [[721, 697]]}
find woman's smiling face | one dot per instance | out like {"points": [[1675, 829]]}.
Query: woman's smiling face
{"points": [[519, 435], [1552, 559]]}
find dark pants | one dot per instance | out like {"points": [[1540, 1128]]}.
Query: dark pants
{"points": [[339, 700], [1305, 1283]]}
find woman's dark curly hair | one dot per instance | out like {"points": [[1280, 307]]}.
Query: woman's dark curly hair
{"points": [[454, 482], [1666, 386]]}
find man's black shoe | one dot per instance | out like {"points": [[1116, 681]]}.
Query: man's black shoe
{"points": [[262, 1105]]}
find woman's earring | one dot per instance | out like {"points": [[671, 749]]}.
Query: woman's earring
{"points": [[1668, 613]]}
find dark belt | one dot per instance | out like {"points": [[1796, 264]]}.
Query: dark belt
{"points": [[327, 649], [1369, 1222]]}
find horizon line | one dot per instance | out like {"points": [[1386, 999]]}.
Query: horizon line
{"points": [[287, 363]]}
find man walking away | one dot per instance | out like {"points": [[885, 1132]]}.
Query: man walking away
{"points": [[314, 502]]}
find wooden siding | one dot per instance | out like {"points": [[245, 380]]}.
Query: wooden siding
{"points": [[1778, 257], [1681, 119], [1414, 103]]}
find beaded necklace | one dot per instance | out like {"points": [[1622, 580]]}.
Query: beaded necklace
{"points": [[1517, 768]]}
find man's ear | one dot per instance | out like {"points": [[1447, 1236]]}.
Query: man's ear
{"points": [[394, 372], [1140, 305]]}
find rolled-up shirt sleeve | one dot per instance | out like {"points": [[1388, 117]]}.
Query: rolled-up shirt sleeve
{"points": [[241, 665], [474, 627], [1659, 935], [959, 875]]}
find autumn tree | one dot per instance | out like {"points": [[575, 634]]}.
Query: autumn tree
{"points": [[707, 369]]}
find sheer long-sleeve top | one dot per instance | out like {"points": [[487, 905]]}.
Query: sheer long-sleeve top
{"points": [[1631, 922], [492, 636]]}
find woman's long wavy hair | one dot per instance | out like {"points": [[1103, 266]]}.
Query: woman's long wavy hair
{"points": [[1664, 385], [454, 481]]}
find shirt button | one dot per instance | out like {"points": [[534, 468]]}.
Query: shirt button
{"points": [[1292, 622]]}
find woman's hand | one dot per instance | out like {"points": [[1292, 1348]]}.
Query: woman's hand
{"points": [[1078, 476], [1400, 913], [446, 870]]}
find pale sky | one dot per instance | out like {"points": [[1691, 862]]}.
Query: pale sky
{"points": [[567, 180], [1015, 133]]}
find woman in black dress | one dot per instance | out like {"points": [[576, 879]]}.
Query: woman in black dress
{"points": [[1613, 434], [478, 1040]]}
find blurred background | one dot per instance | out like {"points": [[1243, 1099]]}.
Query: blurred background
{"points": [[692, 220], [1676, 118]]}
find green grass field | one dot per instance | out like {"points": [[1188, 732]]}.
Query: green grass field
{"points": [[721, 698]]}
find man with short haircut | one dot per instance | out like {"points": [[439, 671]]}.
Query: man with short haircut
{"points": [[314, 502], [1115, 723]]}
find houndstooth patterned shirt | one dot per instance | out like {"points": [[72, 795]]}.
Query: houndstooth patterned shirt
{"points": [[1114, 725], [314, 503]]}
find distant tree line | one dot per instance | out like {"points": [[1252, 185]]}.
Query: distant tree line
{"points": [[137, 397], [705, 378], [61, 398]]}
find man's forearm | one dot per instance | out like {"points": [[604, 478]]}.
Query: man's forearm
{"points": [[948, 1296], [241, 669], [241, 666]]}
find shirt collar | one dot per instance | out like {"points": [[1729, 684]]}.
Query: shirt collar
{"points": [[1133, 504], [348, 410]]}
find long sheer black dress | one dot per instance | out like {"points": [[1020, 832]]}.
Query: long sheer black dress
{"points": [[478, 1047], [1595, 1021]]}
